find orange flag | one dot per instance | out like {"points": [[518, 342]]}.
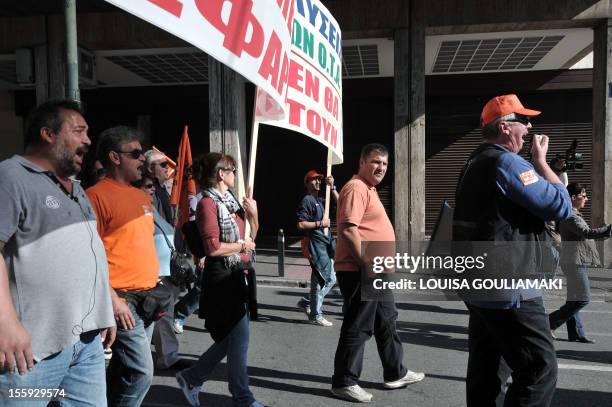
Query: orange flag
{"points": [[183, 185]]}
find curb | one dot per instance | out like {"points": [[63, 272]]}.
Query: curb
{"points": [[282, 282]]}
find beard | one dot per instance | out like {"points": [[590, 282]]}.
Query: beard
{"points": [[64, 160]]}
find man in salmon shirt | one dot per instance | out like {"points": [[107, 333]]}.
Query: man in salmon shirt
{"points": [[125, 224], [361, 217]]}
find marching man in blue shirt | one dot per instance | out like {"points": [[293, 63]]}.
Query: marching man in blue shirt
{"points": [[505, 200], [318, 247]]}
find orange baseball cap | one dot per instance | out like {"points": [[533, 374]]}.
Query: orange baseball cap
{"points": [[502, 105], [312, 174]]}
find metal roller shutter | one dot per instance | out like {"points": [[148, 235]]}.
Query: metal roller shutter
{"points": [[446, 154]]}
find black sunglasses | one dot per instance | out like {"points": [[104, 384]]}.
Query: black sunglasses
{"points": [[163, 164], [100, 172], [135, 153], [520, 119], [149, 186], [232, 169]]}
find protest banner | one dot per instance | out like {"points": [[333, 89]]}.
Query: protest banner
{"points": [[314, 94], [314, 89], [251, 37]]}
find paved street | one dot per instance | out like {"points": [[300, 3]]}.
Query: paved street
{"points": [[291, 361]]}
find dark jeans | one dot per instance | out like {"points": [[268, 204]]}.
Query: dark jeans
{"points": [[578, 297], [235, 346], [189, 303], [522, 337], [164, 338], [362, 319]]}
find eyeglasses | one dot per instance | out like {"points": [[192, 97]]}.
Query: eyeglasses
{"points": [[520, 119], [135, 153], [163, 164], [232, 169]]}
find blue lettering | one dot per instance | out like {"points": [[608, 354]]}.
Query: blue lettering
{"points": [[300, 7], [313, 10], [324, 26]]}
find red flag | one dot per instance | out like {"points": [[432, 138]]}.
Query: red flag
{"points": [[183, 185]]}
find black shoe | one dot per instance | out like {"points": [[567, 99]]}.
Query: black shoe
{"points": [[180, 364], [581, 339]]}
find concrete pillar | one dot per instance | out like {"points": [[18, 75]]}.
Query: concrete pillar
{"points": [[227, 116], [602, 130], [409, 106]]}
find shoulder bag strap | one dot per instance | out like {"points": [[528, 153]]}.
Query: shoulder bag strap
{"points": [[172, 249]]}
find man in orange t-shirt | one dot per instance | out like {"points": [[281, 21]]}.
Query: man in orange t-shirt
{"points": [[361, 218], [125, 224]]}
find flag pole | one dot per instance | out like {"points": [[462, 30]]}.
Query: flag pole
{"points": [[252, 159], [327, 188]]}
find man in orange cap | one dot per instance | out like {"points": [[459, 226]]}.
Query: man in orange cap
{"points": [[505, 200], [311, 221]]}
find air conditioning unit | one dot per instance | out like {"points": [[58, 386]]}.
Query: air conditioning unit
{"points": [[87, 68]]}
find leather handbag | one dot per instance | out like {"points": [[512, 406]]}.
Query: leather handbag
{"points": [[182, 271]]}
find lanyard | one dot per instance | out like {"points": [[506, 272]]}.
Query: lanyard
{"points": [[61, 186]]}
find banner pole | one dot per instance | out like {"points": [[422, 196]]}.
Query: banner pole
{"points": [[252, 159], [327, 188]]}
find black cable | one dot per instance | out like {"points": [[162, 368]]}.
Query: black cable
{"points": [[78, 328]]}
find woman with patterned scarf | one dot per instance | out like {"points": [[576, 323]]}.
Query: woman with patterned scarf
{"points": [[221, 219]]}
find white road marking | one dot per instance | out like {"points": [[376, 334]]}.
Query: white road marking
{"points": [[585, 367], [595, 311], [591, 334]]}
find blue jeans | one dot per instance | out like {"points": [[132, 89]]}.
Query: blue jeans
{"points": [[318, 293], [235, 346], [78, 369], [189, 303], [130, 371], [578, 297]]}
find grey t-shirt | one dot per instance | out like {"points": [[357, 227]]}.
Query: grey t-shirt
{"points": [[57, 268]]}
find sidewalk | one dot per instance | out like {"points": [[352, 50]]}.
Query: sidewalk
{"points": [[297, 270], [297, 274]]}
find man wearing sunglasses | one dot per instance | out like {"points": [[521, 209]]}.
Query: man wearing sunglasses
{"points": [[157, 164], [504, 199], [125, 224]]}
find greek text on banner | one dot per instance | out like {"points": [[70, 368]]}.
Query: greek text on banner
{"points": [[250, 36], [314, 94]]}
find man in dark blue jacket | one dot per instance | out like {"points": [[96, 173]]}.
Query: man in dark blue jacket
{"points": [[504, 200], [318, 247]]}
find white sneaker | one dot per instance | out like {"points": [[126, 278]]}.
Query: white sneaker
{"points": [[352, 393], [321, 322], [192, 393], [410, 377], [178, 325]]}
